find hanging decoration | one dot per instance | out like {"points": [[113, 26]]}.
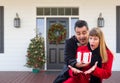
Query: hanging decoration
{"points": [[100, 21], [56, 34]]}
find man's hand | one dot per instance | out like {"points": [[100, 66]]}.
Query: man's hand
{"points": [[91, 69], [75, 71]]}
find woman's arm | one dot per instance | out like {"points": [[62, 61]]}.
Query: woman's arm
{"points": [[91, 69], [105, 71]]}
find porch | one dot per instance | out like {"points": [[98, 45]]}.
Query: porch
{"points": [[42, 77]]}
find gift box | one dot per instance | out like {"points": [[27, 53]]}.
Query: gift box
{"points": [[84, 57]]}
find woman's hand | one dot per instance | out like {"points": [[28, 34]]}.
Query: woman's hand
{"points": [[91, 69], [75, 70], [81, 64]]}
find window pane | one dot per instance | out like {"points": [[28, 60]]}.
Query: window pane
{"points": [[1, 29], [73, 20], [67, 11], [60, 11], [53, 11], [75, 11], [118, 29], [39, 11], [40, 26], [57, 11], [47, 11]]}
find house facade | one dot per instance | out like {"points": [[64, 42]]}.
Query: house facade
{"points": [[41, 14]]}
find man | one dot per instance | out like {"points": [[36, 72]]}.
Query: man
{"points": [[80, 38]]}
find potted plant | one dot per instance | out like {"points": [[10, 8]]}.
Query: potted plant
{"points": [[36, 54]]}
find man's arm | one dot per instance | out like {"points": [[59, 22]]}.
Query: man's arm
{"points": [[70, 52]]}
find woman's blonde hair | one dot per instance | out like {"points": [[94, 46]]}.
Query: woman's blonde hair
{"points": [[103, 48]]}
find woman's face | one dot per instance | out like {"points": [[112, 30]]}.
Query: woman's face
{"points": [[94, 42]]}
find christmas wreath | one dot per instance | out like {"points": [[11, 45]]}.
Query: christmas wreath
{"points": [[56, 33]]}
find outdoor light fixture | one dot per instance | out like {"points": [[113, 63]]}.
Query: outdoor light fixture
{"points": [[100, 21], [17, 21]]}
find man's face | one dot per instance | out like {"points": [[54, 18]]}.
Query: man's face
{"points": [[82, 35]]}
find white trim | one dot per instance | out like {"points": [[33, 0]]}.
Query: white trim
{"points": [[45, 42], [45, 30], [70, 27], [57, 16]]}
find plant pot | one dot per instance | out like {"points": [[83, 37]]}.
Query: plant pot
{"points": [[35, 70]]}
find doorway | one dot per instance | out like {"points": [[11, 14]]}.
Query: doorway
{"points": [[55, 52]]}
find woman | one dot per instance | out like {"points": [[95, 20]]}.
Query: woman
{"points": [[101, 53]]}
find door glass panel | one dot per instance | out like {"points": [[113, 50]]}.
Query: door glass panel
{"points": [[60, 11], [68, 11], [53, 11], [39, 11], [40, 26], [73, 20], [75, 11], [47, 11]]}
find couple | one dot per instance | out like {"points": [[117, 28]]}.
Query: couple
{"points": [[101, 62]]}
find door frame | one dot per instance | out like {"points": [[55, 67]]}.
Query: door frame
{"points": [[44, 26]]}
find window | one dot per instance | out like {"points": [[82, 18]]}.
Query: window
{"points": [[1, 29], [57, 11], [73, 21], [118, 29], [40, 26]]}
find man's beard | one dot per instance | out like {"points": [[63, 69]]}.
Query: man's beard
{"points": [[83, 41]]}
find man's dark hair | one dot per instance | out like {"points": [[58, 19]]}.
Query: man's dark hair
{"points": [[81, 23]]}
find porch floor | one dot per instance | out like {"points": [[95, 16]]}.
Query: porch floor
{"points": [[41, 77]]}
